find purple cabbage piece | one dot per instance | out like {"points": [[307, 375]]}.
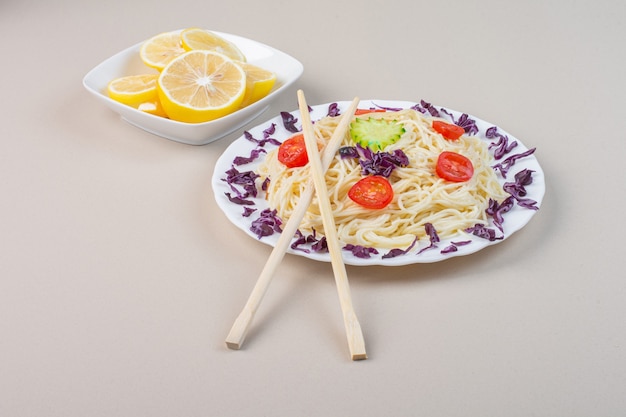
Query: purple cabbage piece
{"points": [[454, 246], [317, 245], [480, 230], [419, 108], [301, 239], [517, 189], [265, 184], [375, 163], [505, 165], [432, 236], [524, 177], [497, 210], [383, 163], [289, 121], [321, 245], [431, 232], [386, 108], [269, 131], [425, 107], [333, 110], [266, 137], [464, 121], [360, 251], [247, 211], [244, 179], [266, 224], [398, 252], [254, 154], [468, 124], [502, 146], [348, 152], [449, 249], [492, 132], [240, 200], [527, 203]]}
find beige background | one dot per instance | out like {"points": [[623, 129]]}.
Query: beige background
{"points": [[120, 278]]}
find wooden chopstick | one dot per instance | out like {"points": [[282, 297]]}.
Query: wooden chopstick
{"points": [[240, 328], [353, 328]]}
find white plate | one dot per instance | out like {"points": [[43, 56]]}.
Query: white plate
{"points": [[128, 62], [515, 219]]}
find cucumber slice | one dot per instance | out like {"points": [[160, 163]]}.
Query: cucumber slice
{"points": [[375, 134]]}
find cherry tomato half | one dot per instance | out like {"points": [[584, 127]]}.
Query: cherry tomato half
{"points": [[374, 192], [447, 130], [292, 152], [454, 167]]}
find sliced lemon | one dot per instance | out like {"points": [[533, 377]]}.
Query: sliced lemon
{"points": [[159, 50], [201, 85], [259, 83], [196, 38], [153, 107], [133, 89]]}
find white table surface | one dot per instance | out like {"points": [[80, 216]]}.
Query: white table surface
{"points": [[120, 278]]}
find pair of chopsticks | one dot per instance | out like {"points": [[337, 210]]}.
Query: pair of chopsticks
{"points": [[356, 343]]}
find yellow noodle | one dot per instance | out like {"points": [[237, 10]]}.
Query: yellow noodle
{"points": [[420, 196]]}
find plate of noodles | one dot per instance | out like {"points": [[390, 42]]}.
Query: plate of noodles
{"points": [[429, 219]]}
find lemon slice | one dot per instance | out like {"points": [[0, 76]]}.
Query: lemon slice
{"points": [[259, 83], [196, 38], [133, 89], [201, 85], [159, 50], [153, 107]]}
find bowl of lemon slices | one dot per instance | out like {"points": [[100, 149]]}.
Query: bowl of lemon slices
{"points": [[192, 86]]}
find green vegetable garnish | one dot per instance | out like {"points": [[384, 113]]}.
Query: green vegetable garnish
{"points": [[375, 134]]}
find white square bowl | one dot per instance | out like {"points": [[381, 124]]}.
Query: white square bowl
{"points": [[128, 62]]}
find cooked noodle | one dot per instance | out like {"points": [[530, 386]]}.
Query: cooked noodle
{"points": [[420, 196]]}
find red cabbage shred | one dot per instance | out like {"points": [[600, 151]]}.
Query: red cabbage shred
{"points": [[266, 224]]}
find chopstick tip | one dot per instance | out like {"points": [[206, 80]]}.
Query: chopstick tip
{"points": [[233, 345]]}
